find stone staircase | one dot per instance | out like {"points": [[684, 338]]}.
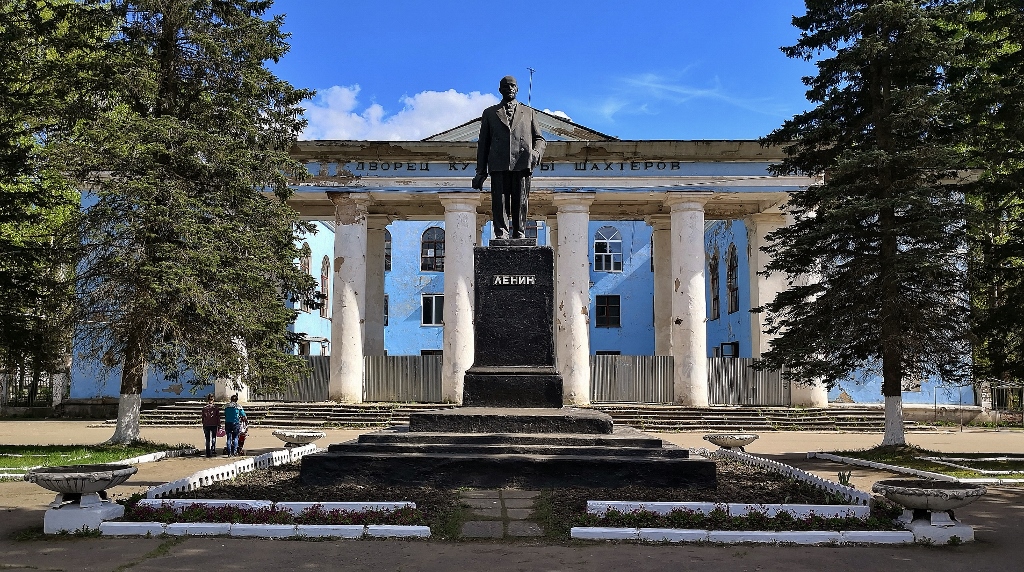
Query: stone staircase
{"points": [[290, 415]]}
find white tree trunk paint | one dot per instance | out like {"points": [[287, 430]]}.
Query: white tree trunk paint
{"points": [[458, 342], [894, 432], [689, 304], [129, 406], [349, 306], [572, 296]]}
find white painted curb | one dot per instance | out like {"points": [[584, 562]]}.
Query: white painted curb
{"points": [[198, 528], [733, 509], [298, 507], [180, 504], [604, 533], [212, 475], [812, 537], [878, 536], [263, 530], [673, 535], [330, 530], [114, 528], [849, 493], [881, 466], [388, 531]]}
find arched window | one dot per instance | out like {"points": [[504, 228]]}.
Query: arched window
{"points": [[607, 250], [732, 280], [532, 230], [305, 262], [387, 250], [713, 310], [432, 250], [325, 286]]}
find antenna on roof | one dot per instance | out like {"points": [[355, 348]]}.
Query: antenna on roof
{"points": [[529, 94]]}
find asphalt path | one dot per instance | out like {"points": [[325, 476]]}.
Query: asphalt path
{"points": [[998, 519]]}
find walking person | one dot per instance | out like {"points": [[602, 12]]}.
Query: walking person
{"points": [[233, 414], [211, 422]]}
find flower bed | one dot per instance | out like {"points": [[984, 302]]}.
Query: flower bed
{"points": [[316, 514], [720, 519]]}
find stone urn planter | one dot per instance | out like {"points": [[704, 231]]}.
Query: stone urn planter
{"points": [[292, 438], [81, 500], [928, 506], [731, 440], [80, 479]]}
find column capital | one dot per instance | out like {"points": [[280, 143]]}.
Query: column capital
{"points": [[686, 200], [459, 202], [659, 222], [377, 222], [573, 202], [768, 218], [349, 208]]}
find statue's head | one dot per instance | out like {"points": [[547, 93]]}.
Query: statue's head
{"points": [[508, 88]]}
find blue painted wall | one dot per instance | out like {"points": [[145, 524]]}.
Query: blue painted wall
{"points": [[634, 286], [734, 327], [404, 285]]}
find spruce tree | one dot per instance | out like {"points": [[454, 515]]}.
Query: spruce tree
{"points": [[189, 245], [883, 234], [49, 53], [988, 87]]}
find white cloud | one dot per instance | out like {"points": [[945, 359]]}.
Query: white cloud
{"points": [[561, 114], [334, 114]]}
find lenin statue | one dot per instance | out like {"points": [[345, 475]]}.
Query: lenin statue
{"points": [[510, 146]]}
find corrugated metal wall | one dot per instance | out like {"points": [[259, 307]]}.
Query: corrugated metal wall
{"points": [[309, 388], [402, 378], [631, 379], [732, 381]]}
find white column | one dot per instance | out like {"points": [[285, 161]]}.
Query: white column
{"points": [[572, 296], [349, 304], [373, 330], [662, 254], [689, 337], [460, 236], [763, 290]]}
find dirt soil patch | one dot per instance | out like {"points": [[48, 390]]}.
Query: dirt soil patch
{"points": [[556, 510]]}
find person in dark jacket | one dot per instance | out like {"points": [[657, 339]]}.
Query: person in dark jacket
{"points": [[211, 422]]}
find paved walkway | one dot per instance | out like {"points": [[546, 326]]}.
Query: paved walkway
{"points": [[998, 518]]}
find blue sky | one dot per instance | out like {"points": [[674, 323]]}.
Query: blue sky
{"points": [[674, 69]]}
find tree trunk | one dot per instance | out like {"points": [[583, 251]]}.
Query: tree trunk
{"points": [[129, 406]]}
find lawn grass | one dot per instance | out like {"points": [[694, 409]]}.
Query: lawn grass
{"points": [[912, 458], [28, 456]]}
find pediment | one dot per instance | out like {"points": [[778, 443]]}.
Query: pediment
{"points": [[553, 127]]}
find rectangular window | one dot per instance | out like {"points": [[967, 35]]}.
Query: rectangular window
{"points": [[731, 349], [433, 310], [431, 352], [303, 348], [386, 309], [607, 352], [606, 311]]}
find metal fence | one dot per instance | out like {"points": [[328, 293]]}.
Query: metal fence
{"points": [[22, 386], [733, 381], [631, 379], [402, 378], [1007, 398], [312, 387]]}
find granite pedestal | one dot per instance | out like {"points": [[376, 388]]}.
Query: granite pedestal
{"points": [[512, 430]]}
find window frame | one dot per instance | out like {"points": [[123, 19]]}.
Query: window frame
{"points": [[732, 285], [433, 262], [325, 287], [387, 250], [602, 305], [715, 285], [434, 307], [606, 259]]}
